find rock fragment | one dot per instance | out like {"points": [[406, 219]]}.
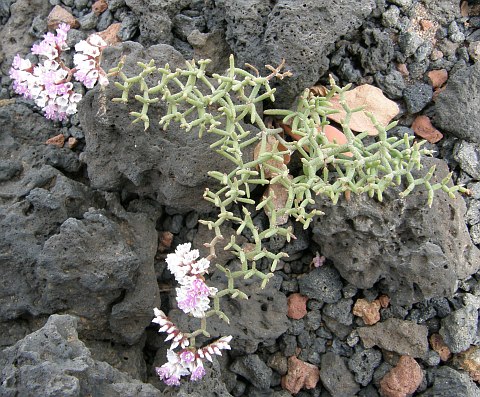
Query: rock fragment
{"points": [[300, 375], [297, 306], [400, 336], [403, 379]]}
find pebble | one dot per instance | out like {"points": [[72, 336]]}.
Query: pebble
{"points": [[417, 96], [129, 27], [88, 21], [403, 379], [468, 156], [104, 20], [300, 375], [340, 311], [297, 306], [363, 364], [368, 311], [400, 336], [460, 328], [252, 367], [336, 377], [322, 283]]}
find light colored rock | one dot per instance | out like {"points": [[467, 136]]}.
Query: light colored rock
{"points": [[403, 379], [300, 375], [368, 311], [99, 6], [469, 360], [110, 35], [373, 101], [438, 77], [60, 15]]}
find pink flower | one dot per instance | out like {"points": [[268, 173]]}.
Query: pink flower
{"points": [[87, 61], [194, 297], [198, 372], [183, 263], [174, 334], [173, 370]]}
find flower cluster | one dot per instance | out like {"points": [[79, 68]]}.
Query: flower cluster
{"points": [[87, 61], [189, 361], [48, 83], [193, 295]]}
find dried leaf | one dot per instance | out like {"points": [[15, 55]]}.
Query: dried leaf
{"points": [[279, 199], [373, 101], [274, 163]]}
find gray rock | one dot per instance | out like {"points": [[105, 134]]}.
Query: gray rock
{"points": [[9, 169], [417, 96], [105, 20], [409, 43], [363, 364], [54, 362], [468, 156], [376, 51], [336, 377], [402, 243], [391, 17], [154, 21], [460, 328], [88, 21], [400, 336], [402, 3], [183, 25], [303, 33], [322, 283], [253, 369], [391, 84], [169, 165], [114, 5], [448, 382], [473, 213], [128, 28], [456, 108], [115, 291], [266, 308], [475, 233], [340, 311], [22, 13], [211, 45]]}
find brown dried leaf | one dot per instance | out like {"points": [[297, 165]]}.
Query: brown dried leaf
{"points": [[279, 199], [373, 101], [274, 163]]}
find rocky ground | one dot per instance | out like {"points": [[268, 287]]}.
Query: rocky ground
{"points": [[87, 220]]}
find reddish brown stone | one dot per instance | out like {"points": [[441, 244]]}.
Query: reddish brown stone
{"points": [[301, 375], [164, 241], [438, 77], [110, 35], [426, 24], [368, 311], [403, 379], [60, 15], [58, 140], [437, 343], [384, 301], [402, 68], [99, 6], [297, 306], [422, 126]]}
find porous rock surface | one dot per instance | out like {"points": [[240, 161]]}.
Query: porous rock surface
{"points": [[170, 166], [52, 361], [414, 251], [456, 107], [262, 33], [59, 251]]}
